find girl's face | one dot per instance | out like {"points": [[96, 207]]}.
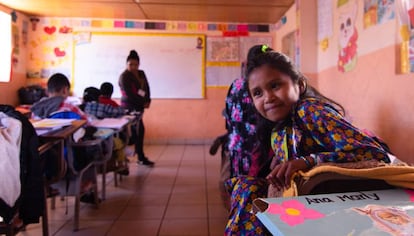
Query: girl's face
{"points": [[132, 65], [273, 93]]}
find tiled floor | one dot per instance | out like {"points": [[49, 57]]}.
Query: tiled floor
{"points": [[179, 196]]}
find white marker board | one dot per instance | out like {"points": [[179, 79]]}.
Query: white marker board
{"points": [[174, 63]]}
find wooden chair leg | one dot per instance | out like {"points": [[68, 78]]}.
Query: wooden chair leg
{"points": [[45, 227], [103, 181], [76, 216], [115, 178]]}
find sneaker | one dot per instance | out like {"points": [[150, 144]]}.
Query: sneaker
{"points": [[89, 198], [146, 162]]}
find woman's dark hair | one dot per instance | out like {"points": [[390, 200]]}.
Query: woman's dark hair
{"points": [[57, 82], [263, 55], [133, 55], [107, 89]]}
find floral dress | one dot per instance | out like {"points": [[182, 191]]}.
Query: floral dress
{"points": [[243, 186], [317, 128]]}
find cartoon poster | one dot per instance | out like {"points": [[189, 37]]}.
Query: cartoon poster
{"points": [[378, 12], [348, 36], [405, 11]]}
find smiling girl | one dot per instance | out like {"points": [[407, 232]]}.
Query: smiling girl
{"points": [[303, 126]]}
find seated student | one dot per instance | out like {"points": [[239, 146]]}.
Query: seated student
{"points": [[302, 126], [91, 96], [106, 93], [92, 106], [58, 87]]}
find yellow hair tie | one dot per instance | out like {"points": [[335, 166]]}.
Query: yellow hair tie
{"points": [[264, 48]]}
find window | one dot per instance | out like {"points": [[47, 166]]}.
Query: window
{"points": [[5, 46]]}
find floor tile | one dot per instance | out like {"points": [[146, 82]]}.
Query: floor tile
{"points": [[179, 196]]}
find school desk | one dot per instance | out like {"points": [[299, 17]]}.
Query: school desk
{"points": [[56, 139], [119, 125], [381, 212]]}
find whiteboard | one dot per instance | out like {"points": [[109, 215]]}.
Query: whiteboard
{"points": [[174, 63]]}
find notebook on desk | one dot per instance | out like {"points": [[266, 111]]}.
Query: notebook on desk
{"points": [[382, 212], [111, 123], [48, 125]]}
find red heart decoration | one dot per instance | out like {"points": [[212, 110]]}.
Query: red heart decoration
{"points": [[49, 30], [59, 53]]}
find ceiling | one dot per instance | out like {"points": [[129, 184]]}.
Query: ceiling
{"points": [[237, 11]]}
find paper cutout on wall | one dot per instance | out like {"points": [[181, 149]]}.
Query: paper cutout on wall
{"points": [[49, 30], [14, 16], [223, 49], [25, 28], [82, 37], [119, 24], [59, 53], [324, 44], [34, 22], [65, 30], [348, 37]]}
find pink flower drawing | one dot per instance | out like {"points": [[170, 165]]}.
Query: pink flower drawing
{"points": [[293, 212], [411, 193]]}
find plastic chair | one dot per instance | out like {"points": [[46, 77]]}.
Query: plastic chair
{"points": [[81, 172]]}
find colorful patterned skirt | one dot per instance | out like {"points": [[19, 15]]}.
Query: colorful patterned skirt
{"points": [[243, 190]]}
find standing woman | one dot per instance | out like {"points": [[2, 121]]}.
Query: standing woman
{"points": [[136, 97]]}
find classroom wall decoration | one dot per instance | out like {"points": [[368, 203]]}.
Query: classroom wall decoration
{"points": [[49, 48], [378, 12], [222, 71], [405, 10], [325, 23], [222, 49], [173, 63], [52, 40], [348, 36]]}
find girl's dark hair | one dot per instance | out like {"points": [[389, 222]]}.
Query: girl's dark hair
{"points": [[133, 55], [262, 55], [57, 82]]}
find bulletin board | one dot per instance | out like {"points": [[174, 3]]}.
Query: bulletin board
{"points": [[174, 63], [225, 56]]}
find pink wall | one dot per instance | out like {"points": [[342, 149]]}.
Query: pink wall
{"points": [[376, 98], [374, 94], [186, 121]]}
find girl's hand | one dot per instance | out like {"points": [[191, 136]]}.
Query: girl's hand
{"points": [[281, 175]]}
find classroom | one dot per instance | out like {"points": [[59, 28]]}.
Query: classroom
{"points": [[368, 72]]}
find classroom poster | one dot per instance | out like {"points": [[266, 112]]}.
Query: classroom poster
{"points": [[405, 10], [347, 36], [223, 49], [325, 22], [378, 12]]}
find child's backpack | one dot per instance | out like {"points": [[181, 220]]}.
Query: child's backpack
{"points": [[31, 94]]}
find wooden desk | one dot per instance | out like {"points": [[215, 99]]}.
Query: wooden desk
{"points": [[65, 132], [56, 139]]}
